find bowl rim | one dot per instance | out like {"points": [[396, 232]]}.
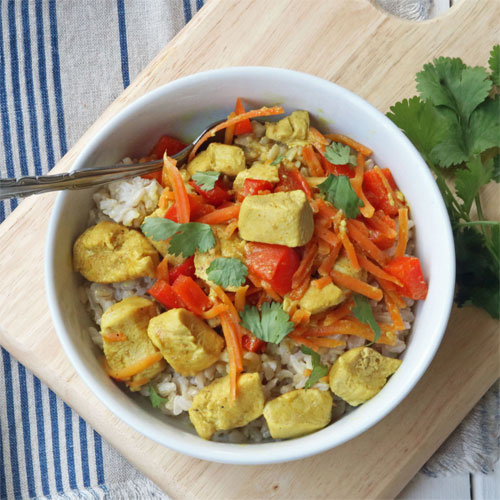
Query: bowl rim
{"points": [[260, 453]]}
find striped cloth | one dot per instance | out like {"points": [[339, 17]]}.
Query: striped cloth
{"points": [[61, 64]]}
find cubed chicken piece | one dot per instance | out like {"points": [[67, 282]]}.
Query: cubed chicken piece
{"points": [[213, 410], [110, 253], [187, 343], [163, 245], [317, 300], [229, 160], [291, 129], [284, 218], [297, 413], [360, 373], [124, 330], [232, 247], [259, 171]]}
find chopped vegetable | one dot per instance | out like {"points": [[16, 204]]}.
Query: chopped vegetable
{"points": [[181, 197], [403, 232], [339, 154], [358, 286], [185, 238], [318, 370], [165, 295], [215, 196], [364, 313], [408, 271], [206, 180], [271, 325], [252, 343], [186, 268], [291, 180], [234, 349], [169, 145], [133, 369], [191, 295], [162, 272], [227, 272], [277, 160], [312, 161], [339, 192], [242, 127], [221, 215], [197, 208], [376, 190], [156, 400], [351, 143], [253, 187]]}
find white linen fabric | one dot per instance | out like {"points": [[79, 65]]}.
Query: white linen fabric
{"points": [[61, 64]]}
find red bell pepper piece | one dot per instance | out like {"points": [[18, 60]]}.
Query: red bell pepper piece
{"points": [[191, 294], [275, 264], [215, 196], [408, 271], [169, 144], [331, 168], [254, 186], [197, 206], [253, 344], [243, 127], [165, 295], [291, 180], [186, 268], [376, 193], [383, 241]]}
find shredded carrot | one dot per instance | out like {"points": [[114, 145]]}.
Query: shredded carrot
{"points": [[325, 209], [214, 311], [229, 132], [388, 288], [367, 210], [298, 293], [165, 197], [358, 286], [328, 263], [351, 143], [181, 196], [349, 250], [137, 383], [339, 313], [255, 281], [134, 368], [314, 181], [220, 215], [318, 137], [300, 316], [231, 309], [271, 292], [322, 282], [234, 351], [376, 270], [379, 223], [275, 110], [114, 336], [240, 298], [402, 232], [312, 162], [252, 290], [365, 243], [326, 235], [162, 270], [323, 247], [306, 263], [393, 309], [302, 340], [390, 193], [231, 228]]}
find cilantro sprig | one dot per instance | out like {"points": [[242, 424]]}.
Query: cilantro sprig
{"points": [[339, 154], [271, 325], [339, 192], [206, 180], [318, 370], [185, 238], [455, 124], [155, 398], [225, 271], [363, 311], [278, 160]]}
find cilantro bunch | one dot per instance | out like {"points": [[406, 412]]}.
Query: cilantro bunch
{"points": [[455, 124]]}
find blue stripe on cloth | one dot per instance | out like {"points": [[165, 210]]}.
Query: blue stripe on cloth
{"points": [[16, 87], [99, 462], [42, 76], [187, 11], [28, 454], [2, 212], [56, 75], [84, 452], [40, 431], [199, 4], [28, 71], [13, 204], [11, 422], [70, 452], [56, 453], [122, 28], [3, 482]]}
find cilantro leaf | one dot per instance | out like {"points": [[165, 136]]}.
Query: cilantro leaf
{"points": [[272, 325], [484, 127], [278, 160], [206, 180], [494, 63], [339, 192], [470, 178], [185, 238], [448, 82], [227, 272], [364, 313], [318, 370], [339, 154], [451, 150], [156, 399]]}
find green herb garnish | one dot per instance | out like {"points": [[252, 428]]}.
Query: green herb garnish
{"points": [[226, 272], [339, 154], [277, 160], [271, 325], [339, 192], [156, 399], [206, 180], [364, 313], [318, 370]]}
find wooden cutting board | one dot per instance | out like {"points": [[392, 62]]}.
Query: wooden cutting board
{"points": [[356, 45]]}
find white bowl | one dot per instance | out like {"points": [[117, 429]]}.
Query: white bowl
{"points": [[183, 108]]}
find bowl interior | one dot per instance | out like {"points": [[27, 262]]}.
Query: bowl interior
{"points": [[183, 108]]}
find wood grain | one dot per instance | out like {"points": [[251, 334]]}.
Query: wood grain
{"points": [[352, 43]]}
